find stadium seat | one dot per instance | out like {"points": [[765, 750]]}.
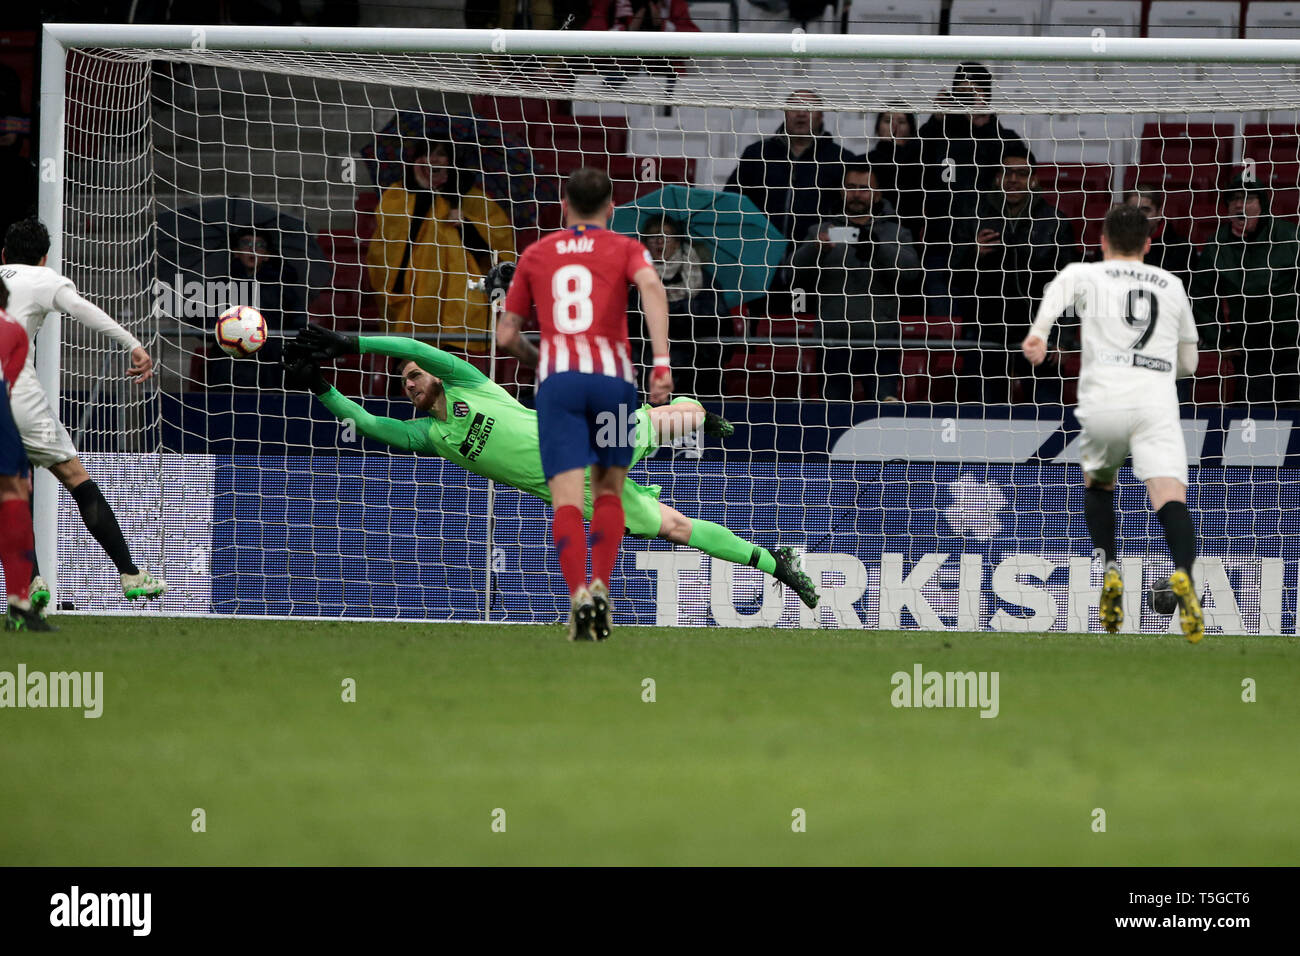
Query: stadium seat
{"points": [[1271, 142], [521, 109], [586, 134], [1272, 20], [1078, 18], [805, 327], [346, 304], [930, 328], [919, 17], [1275, 149], [1192, 18], [994, 18], [592, 92], [930, 375], [767, 372], [366, 205], [1196, 155], [1078, 138], [1082, 193], [1215, 382], [1189, 143], [1071, 362]]}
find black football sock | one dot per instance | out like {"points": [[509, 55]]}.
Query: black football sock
{"points": [[1099, 511], [1179, 533], [102, 523]]}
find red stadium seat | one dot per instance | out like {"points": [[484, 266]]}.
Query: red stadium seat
{"points": [[1191, 152], [588, 134], [1190, 207], [938, 328], [1271, 142], [633, 176], [1082, 193], [522, 109], [1071, 362], [1215, 382], [366, 205], [930, 375], [767, 372], [348, 303], [1283, 179], [805, 327]]}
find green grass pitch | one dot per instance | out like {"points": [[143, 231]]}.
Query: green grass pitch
{"points": [[245, 719]]}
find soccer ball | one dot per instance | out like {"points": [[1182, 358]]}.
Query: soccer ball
{"points": [[241, 331], [1163, 598]]}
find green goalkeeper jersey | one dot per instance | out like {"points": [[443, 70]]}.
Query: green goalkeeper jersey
{"points": [[486, 432]]}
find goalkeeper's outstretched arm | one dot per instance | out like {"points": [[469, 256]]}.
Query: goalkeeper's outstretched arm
{"points": [[409, 435], [321, 344]]}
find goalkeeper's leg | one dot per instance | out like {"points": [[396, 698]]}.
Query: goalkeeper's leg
{"points": [[713, 539]]}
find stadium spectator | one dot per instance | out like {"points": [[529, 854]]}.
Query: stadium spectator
{"points": [[896, 160], [694, 310], [859, 264], [1011, 242], [281, 297], [281, 292], [1169, 249], [794, 176], [642, 15], [961, 147], [436, 234], [1245, 292]]}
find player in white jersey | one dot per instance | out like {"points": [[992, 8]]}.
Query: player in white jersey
{"points": [[1138, 335], [35, 291]]}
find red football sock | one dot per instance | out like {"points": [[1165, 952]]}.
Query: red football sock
{"points": [[17, 547], [571, 545], [607, 526]]}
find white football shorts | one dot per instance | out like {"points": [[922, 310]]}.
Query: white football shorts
{"points": [[1153, 436], [46, 440]]}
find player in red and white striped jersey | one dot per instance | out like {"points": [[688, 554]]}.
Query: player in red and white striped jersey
{"points": [[17, 542], [578, 281]]}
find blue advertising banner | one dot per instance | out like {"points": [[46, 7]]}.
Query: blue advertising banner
{"points": [[932, 545]]}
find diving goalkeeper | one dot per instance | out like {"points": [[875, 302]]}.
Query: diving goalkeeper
{"points": [[475, 423]]}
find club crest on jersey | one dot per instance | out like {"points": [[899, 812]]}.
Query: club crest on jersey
{"points": [[460, 409]]}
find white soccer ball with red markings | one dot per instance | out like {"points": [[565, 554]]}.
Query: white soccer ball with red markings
{"points": [[241, 331]]}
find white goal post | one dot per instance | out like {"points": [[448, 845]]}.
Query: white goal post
{"points": [[950, 508]]}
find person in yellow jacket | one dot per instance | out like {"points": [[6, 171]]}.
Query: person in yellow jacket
{"points": [[436, 234]]}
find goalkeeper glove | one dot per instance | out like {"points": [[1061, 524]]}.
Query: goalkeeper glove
{"points": [[321, 343], [497, 281], [302, 373]]}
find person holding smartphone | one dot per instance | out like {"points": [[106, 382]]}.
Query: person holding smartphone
{"points": [[854, 267]]}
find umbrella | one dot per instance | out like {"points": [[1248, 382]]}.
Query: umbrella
{"points": [[745, 247], [502, 158], [195, 241]]}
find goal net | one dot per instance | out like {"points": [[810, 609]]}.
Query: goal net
{"points": [[854, 232]]}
